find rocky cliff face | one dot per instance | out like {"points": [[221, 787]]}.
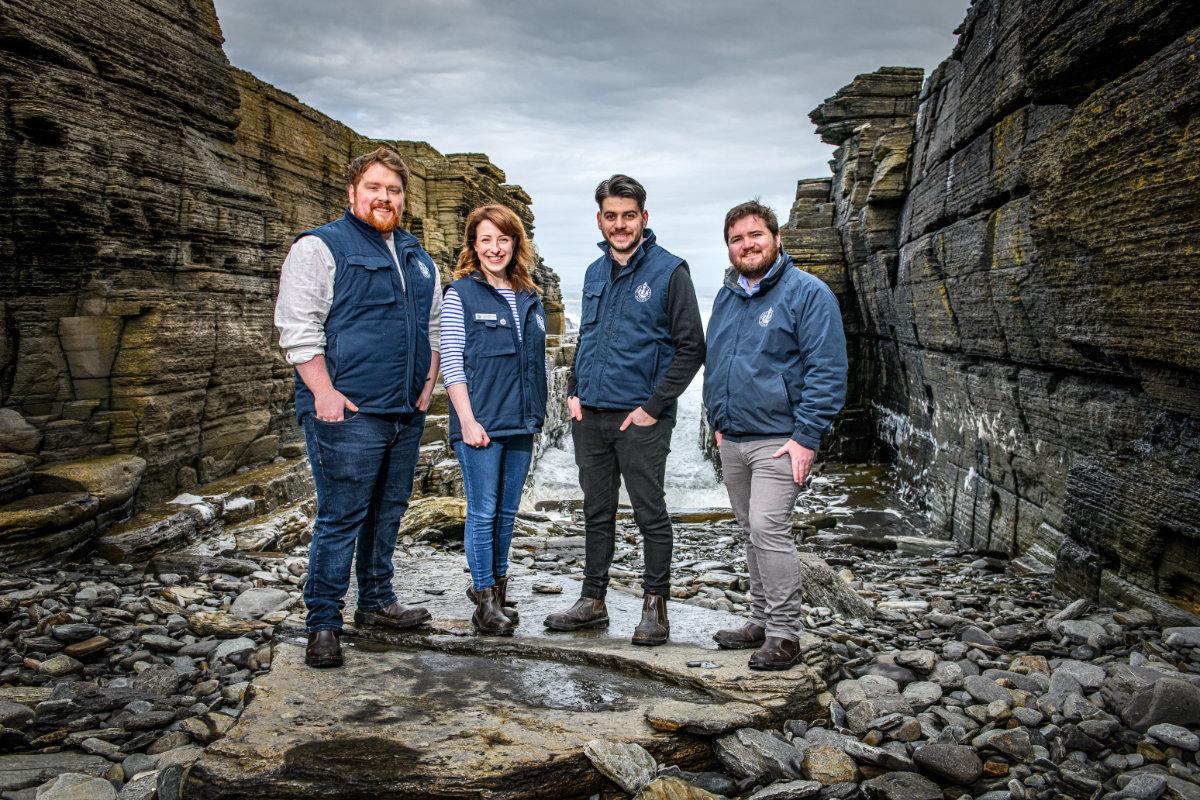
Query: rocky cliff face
{"points": [[151, 193], [1021, 280]]}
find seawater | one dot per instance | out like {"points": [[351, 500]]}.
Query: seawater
{"points": [[691, 482]]}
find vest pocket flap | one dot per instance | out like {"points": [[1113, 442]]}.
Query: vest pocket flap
{"points": [[370, 262], [592, 290], [496, 341]]}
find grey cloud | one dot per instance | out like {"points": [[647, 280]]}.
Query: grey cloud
{"points": [[705, 102]]}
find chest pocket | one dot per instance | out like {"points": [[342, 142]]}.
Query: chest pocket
{"points": [[592, 292], [494, 338], [372, 279]]}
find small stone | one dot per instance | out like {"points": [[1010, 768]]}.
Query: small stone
{"points": [[547, 588], [671, 788], [1171, 700], [626, 764], [994, 769], [901, 786], [876, 756], [74, 632], [1175, 736], [828, 765], [253, 603], [76, 786], [1181, 638], [792, 790], [141, 787], [1144, 786], [59, 666], [953, 763], [1089, 676], [159, 644], [922, 661], [973, 635], [948, 675], [14, 715], [87, 647], [922, 694], [231, 648], [1078, 630], [985, 690], [1014, 743]]}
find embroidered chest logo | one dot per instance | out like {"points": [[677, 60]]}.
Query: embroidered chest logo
{"points": [[541, 321], [765, 317], [642, 293], [424, 269]]}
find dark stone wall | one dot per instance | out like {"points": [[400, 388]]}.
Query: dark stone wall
{"points": [[1025, 279]]}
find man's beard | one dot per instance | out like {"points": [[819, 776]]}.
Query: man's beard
{"points": [[383, 226], [770, 256]]}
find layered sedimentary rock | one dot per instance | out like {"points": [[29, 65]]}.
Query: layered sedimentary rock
{"points": [[1027, 284], [151, 193]]}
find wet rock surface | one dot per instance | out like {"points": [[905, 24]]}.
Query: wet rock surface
{"points": [[189, 673]]}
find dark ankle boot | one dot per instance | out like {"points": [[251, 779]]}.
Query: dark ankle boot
{"points": [[501, 590], [776, 654], [654, 628], [324, 649], [488, 618], [586, 613], [747, 636]]}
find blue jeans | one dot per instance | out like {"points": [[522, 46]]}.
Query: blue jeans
{"points": [[493, 478], [363, 470]]}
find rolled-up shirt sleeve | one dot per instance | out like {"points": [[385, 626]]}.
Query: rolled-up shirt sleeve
{"points": [[305, 295]]}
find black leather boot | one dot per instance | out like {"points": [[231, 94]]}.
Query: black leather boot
{"points": [[654, 629], [488, 618], [586, 613], [324, 649]]}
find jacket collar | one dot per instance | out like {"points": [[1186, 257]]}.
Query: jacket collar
{"points": [[782, 264], [477, 276]]}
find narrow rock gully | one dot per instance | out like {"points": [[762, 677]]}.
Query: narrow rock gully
{"points": [[928, 673]]}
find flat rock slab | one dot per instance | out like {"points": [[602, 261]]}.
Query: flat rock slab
{"points": [[444, 713]]}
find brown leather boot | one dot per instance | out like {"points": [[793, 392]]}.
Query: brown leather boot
{"points": [[324, 649], [501, 591], [776, 654], [488, 618], [393, 616], [743, 638], [654, 629], [586, 613]]}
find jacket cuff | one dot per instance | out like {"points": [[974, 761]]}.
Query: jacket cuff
{"points": [[804, 437]]}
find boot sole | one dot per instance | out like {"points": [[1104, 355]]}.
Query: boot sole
{"points": [[492, 631], [367, 618], [323, 663], [650, 642], [591, 623], [780, 667], [727, 645]]}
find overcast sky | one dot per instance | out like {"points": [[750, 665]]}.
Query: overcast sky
{"points": [[706, 103]]}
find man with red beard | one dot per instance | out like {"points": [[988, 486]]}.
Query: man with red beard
{"points": [[358, 308], [774, 381]]}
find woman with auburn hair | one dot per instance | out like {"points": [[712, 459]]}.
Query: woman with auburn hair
{"points": [[493, 343]]}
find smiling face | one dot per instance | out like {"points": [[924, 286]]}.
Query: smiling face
{"points": [[378, 198], [494, 249], [752, 246], [623, 224]]}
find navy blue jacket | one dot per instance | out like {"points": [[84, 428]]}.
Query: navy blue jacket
{"points": [[377, 331], [506, 376], [625, 344], [776, 359]]}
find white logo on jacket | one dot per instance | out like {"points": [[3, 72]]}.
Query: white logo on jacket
{"points": [[424, 269], [642, 293], [765, 317], [541, 321]]}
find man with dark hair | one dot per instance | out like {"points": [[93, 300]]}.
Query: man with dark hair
{"points": [[357, 316], [640, 344], [775, 380]]}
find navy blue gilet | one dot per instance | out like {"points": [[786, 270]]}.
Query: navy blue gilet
{"points": [[506, 375], [625, 342], [377, 332]]}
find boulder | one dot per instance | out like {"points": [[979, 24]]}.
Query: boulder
{"points": [[110, 479], [435, 518]]}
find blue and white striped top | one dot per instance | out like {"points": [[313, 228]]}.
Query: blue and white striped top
{"points": [[454, 334]]}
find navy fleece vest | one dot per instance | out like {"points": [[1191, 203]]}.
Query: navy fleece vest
{"points": [[625, 342], [506, 375], [377, 331]]}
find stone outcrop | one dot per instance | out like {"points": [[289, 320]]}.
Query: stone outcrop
{"points": [[151, 193], [1018, 259]]}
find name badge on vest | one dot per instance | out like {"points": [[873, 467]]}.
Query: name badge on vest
{"points": [[483, 317]]}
